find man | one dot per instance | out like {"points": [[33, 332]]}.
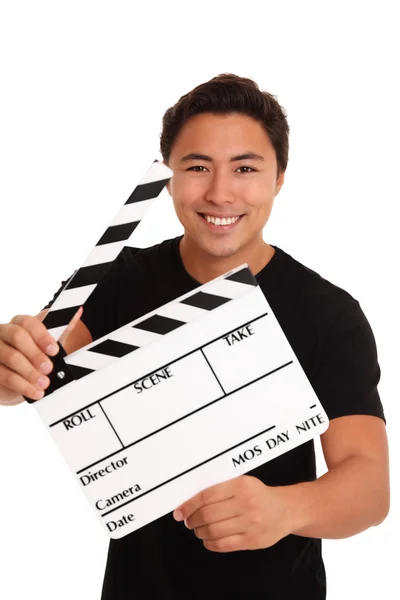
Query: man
{"points": [[259, 535]]}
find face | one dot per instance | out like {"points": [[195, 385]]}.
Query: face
{"points": [[224, 182]]}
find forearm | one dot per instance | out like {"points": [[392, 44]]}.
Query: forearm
{"points": [[351, 497]]}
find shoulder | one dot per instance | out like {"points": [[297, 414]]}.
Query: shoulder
{"points": [[330, 335], [309, 291], [314, 312]]}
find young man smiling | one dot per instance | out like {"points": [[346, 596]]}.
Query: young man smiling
{"points": [[232, 174], [259, 535]]}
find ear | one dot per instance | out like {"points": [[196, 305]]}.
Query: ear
{"points": [[279, 182]]}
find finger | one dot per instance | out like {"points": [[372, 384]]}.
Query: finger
{"points": [[226, 528], [9, 380], [30, 337], [9, 398], [19, 353], [212, 513], [232, 543], [14, 361], [38, 332], [71, 325], [216, 493]]}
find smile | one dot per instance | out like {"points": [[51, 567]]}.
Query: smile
{"points": [[225, 222]]}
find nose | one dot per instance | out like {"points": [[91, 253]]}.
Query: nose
{"points": [[219, 190]]}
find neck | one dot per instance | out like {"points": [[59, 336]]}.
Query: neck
{"points": [[204, 267]]}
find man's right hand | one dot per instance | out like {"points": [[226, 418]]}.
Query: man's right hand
{"points": [[26, 348]]}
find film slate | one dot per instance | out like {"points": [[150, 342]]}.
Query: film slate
{"points": [[204, 389]]}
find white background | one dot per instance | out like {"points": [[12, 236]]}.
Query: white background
{"points": [[84, 86]]}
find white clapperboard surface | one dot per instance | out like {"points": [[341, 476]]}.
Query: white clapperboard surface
{"points": [[199, 391]]}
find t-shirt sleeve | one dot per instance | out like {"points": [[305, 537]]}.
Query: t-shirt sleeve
{"points": [[346, 379]]}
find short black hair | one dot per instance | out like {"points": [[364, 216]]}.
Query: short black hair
{"points": [[225, 94]]}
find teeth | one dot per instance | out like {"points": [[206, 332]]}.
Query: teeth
{"points": [[223, 221]]}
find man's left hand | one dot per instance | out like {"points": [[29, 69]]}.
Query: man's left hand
{"points": [[239, 514]]}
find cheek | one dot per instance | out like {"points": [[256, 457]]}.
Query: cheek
{"points": [[185, 195], [265, 213], [260, 214], [182, 204], [183, 209], [261, 206], [257, 194]]}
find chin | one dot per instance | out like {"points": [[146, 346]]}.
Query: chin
{"points": [[221, 251]]}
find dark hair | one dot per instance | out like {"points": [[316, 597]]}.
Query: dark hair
{"points": [[224, 94]]}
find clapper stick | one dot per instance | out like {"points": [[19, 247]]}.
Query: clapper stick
{"points": [[160, 322], [85, 280]]}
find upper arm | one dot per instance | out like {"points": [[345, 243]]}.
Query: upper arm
{"points": [[361, 437], [356, 435]]}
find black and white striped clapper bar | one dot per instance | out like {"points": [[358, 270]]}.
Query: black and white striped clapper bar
{"points": [[201, 390]]}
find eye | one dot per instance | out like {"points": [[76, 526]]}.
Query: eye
{"points": [[249, 169], [195, 169]]}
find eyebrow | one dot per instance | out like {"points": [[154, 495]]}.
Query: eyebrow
{"points": [[245, 156]]}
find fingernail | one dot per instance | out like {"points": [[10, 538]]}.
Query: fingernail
{"points": [[42, 382], [178, 516], [39, 395], [46, 368], [52, 349]]}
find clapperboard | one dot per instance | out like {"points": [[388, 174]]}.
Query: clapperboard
{"points": [[199, 391]]}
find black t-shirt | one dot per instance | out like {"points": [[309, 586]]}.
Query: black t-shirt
{"points": [[333, 341]]}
